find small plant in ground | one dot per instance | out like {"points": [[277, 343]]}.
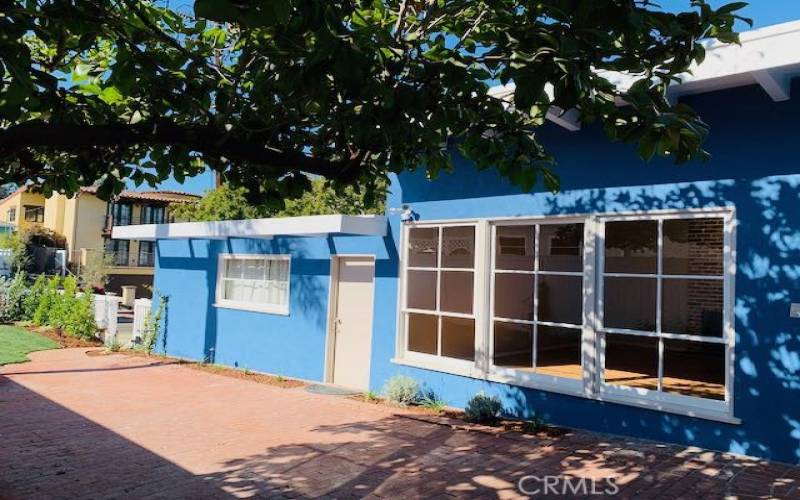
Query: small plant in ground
{"points": [[370, 396], [114, 346], [246, 371], [64, 304], [152, 327], [535, 424], [280, 378], [80, 320], [401, 390], [483, 409], [46, 303], [432, 402], [12, 297], [34, 296]]}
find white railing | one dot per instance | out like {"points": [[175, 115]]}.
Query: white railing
{"points": [[141, 309]]}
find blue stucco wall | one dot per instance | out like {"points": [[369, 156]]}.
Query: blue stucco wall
{"points": [[755, 145], [291, 345]]}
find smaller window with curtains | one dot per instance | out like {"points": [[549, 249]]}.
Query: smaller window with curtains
{"points": [[254, 282]]}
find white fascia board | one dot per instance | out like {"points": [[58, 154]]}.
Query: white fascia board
{"points": [[769, 57], [316, 225], [569, 119]]}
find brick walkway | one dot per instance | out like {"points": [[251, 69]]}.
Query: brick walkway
{"points": [[75, 426]]}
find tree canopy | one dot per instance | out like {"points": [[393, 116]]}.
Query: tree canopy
{"points": [[267, 92], [229, 203]]}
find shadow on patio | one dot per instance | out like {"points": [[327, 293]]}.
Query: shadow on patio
{"points": [[49, 450]]}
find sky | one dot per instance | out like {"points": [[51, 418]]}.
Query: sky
{"points": [[763, 12]]}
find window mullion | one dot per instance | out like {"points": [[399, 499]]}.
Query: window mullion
{"points": [[440, 253], [659, 299], [589, 349], [536, 253]]}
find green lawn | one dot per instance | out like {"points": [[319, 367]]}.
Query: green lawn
{"points": [[16, 343]]}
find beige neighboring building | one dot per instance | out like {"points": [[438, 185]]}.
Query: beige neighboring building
{"points": [[86, 222]]}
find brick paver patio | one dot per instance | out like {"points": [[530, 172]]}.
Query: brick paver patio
{"points": [[75, 426]]}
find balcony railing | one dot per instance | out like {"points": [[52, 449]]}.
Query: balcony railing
{"points": [[114, 259], [111, 221]]}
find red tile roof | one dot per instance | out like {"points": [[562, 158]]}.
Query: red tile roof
{"points": [[165, 196]]}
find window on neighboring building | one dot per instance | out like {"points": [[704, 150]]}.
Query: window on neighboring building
{"points": [[634, 309], [153, 214], [147, 253], [12, 214], [119, 251], [33, 213], [440, 287], [121, 213], [257, 282]]}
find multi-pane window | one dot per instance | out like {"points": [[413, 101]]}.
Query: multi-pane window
{"points": [[121, 213], [147, 253], [153, 214], [537, 318], [440, 281], [119, 250], [258, 282], [627, 308], [12, 214], [34, 213], [663, 298]]}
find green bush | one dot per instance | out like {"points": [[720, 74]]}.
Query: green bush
{"points": [[12, 297], [63, 304], [483, 409], [33, 297], [432, 402], [401, 390], [46, 302], [80, 319]]}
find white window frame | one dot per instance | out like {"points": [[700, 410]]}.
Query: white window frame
{"points": [[593, 336], [221, 302], [455, 365], [656, 398], [532, 378]]}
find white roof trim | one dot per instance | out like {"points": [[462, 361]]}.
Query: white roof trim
{"points": [[315, 225], [769, 57]]}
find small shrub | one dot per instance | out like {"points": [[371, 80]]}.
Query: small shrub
{"points": [[483, 409], [46, 302], [535, 424], [114, 346], [63, 304], [13, 293], [401, 390], [432, 402], [280, 378], [80, 321], [152, 328], [370, 396], [34, 296]]}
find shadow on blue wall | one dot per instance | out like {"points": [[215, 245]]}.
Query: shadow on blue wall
{"points": [[755, 169]]}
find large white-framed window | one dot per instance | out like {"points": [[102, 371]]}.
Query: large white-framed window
{"points": [[438, 303], [665, 309], [537, 316], [254, 282], [631, 308]]}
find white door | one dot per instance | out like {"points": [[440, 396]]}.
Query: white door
{"points": [[352, 321]]}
